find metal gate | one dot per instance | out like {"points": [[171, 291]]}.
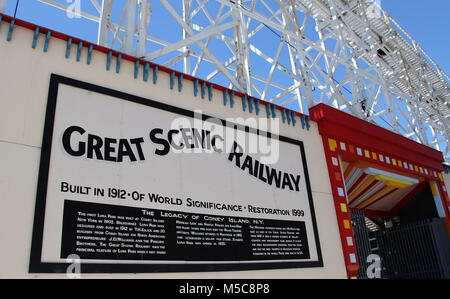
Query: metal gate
{"points": [[362, 241], [410, 251], [415, 251]]}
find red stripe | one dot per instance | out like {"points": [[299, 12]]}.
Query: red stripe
{"points": [[342, 126], [371, 185], [356, 184], [382, 197], [373, 195]]}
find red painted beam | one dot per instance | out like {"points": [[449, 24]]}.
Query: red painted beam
{"points": [[333, 122]]}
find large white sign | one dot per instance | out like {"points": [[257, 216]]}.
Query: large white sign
{"points": [[129, 184]]}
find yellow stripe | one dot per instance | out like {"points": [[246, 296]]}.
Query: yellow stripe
{"points": [[349, 170], [363, 185], [373, 198], [393, 182], [433, 188]]}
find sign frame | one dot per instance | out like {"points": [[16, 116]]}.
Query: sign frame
{"points": [[37, 266]]}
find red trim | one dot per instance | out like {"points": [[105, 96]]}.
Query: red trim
{"points": [[352, 268], [367, 188], [381, 198], [345, 127], [75, 40], [349, 169], [356, 184], [447, 224], [364, 164]]}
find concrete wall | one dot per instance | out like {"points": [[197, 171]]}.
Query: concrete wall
{"points": [[24, 83], [446, 180]]}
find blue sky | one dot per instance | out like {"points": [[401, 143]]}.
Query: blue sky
{"points": [[426, 21]]}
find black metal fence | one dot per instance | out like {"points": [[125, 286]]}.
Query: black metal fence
{"points": [[409, 251], [415, 251], [362, 241]]}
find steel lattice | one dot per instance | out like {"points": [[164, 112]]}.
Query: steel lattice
{"points": [[296, 53]]}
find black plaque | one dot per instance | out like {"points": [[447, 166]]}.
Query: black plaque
{"points": [[112, 232]]}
